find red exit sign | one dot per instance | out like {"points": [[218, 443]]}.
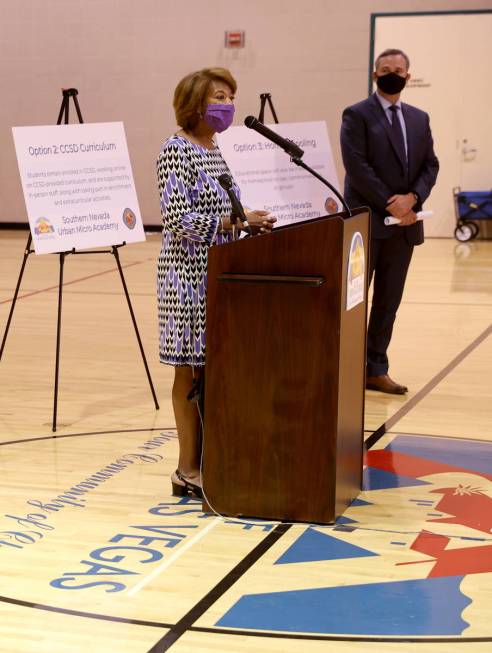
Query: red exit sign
{"points": [[235, 38]]}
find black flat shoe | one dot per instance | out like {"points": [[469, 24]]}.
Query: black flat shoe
{"points": [[182, 487]]}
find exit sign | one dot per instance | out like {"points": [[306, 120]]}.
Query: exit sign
{"points": [[235, 38]]}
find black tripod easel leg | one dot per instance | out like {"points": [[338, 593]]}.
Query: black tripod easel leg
{"points": [[115, 253], [67, 93], [27, 251], [58, 339], [264, 98], [73, 92], [63, 114]]}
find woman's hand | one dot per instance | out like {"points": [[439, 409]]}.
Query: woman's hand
{"points": [[260, 221]]}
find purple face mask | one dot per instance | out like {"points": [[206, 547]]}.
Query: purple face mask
{"points": [[219, 116]]}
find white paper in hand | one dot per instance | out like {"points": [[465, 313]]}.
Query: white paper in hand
{"points": [[389, 219]]}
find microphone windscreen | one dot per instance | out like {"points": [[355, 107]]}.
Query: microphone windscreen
{"points": [[250, 121], [225, 181]]}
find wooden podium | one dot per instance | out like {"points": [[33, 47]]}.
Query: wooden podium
{"points": [[285, 371]]}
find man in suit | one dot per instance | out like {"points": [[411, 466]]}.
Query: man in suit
{"points": [[391, 167]]}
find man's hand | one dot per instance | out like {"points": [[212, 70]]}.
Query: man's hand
{"points": [[400, 205], [407, 219]]}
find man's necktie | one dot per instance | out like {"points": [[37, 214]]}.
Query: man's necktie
{"points": [[397, 132]]}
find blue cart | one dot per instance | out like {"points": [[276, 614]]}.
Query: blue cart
{"points": [[471, 206]]}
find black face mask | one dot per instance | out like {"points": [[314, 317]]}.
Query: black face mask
{"points": [[391, 83]]}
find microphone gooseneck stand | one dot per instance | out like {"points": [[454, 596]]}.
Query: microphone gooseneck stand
{"points": [[289, 147], [299, 162]]}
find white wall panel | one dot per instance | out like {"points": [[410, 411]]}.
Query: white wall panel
{"points": [[125, 57]]}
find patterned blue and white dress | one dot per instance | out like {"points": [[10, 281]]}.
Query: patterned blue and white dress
{"points": [[192, 203]]}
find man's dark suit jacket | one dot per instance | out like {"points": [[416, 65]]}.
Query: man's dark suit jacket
{"points": [[374, 170]]}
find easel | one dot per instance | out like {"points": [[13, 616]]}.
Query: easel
{"points": [[264, 98], [267, 98], [63, 116]]}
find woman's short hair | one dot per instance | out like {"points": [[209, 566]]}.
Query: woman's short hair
{"points": [[192, 91]]}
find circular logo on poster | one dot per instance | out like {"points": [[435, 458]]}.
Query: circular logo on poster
{"points": [[331, 205], [129, 218], [43, 227]]}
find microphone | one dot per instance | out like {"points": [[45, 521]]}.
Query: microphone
{"points": [[225, 181], [293, 150]]}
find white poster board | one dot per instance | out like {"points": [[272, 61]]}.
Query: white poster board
{"points": [[78, 186], [269, 180]]}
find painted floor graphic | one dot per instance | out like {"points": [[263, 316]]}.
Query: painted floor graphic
{"points": [[390, 578], [411, 557]]}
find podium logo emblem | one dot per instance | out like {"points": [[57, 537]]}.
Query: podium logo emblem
{"points": [[356, 271]]}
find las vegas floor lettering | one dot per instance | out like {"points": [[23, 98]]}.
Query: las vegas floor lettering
{"points": [[410, 558]]}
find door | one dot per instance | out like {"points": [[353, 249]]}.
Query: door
{"points": [[449, 64]]}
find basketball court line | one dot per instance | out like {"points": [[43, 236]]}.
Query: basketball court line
{"points": [[435, 435], [81, 613], [177, 554], [331, 638], [73, 281], [173, 428], [108, 293], [349, 528], [185, 623], [460, 304], [423, 392], [78, 435]]}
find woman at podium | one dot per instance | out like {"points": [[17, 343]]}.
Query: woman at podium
{"points": [[196, 214]]}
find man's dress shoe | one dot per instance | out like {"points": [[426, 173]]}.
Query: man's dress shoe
{"points": [[384, 383]]}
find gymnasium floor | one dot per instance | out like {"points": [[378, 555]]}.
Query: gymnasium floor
{"points": [[96, 555]]}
